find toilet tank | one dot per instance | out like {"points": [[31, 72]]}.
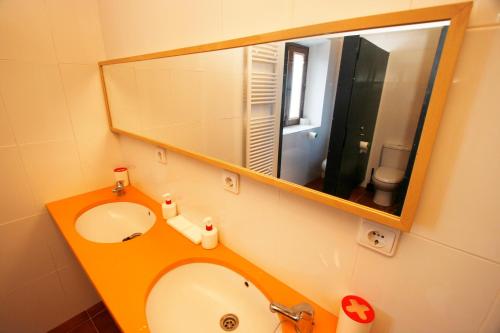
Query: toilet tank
{"points": [[395, 156]]}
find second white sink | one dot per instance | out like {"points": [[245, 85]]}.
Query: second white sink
{"points": [[208, 298], [115, 222]]}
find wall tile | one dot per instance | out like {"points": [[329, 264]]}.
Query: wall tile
{"points": [[82, 88], [450, 289], [48, 302], [35, 308], [76, 30], [25, 254], [485, 12], [244, 18], [169, 24], [205, 23], [224, 139], [34, 101], [99, 148], [320, 241], [196, 188], [99, 156], [16, 313], [249, 231], [116, 16], [79, 292], [54, 170], [145, 173], [59, 248], [295, 158], [16, 197], [6, 134], [25, 34], [459, 200], [123, 96], [316, 11]]}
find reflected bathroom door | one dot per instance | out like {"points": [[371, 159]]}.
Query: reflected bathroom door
{"points": [[361, 79]]}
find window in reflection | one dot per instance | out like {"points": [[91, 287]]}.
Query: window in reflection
{"points": [[295, 82]]}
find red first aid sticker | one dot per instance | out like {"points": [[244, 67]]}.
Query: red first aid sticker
{"points": [[358, 309]]}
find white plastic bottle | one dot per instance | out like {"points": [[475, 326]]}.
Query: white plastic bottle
{"points": [[209, 235], [168, 208]]}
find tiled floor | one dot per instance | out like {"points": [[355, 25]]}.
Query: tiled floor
{"points": [[316, 184], [359, 195], [362, 196], [95, 319]]}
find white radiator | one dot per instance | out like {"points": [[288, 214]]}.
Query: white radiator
{"points": [[264, 70]]}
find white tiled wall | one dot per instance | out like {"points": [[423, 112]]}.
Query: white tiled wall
{"points": [[301, 157], [445, 276], [54, 142]]}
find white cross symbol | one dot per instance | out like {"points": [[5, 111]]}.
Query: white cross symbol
{"points": [[360, 309]]}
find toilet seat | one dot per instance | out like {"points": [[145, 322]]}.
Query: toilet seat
{"points": [[389, 175]]}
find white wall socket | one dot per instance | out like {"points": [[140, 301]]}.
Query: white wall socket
{"points": [[231, 181], [378, 237], [161, 155]]}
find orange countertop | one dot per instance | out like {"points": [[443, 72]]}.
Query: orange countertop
{"points": [[124, 273]]}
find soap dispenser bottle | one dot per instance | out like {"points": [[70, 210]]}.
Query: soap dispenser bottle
{"points": [[209, 235], [169, 208]]}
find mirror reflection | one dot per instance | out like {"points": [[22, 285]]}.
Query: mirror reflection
{"points": [[340, 114]]}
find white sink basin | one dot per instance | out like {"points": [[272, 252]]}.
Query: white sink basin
{"points": [[114, 222], [200, 297]]}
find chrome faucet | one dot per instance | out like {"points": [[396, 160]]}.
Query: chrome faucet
{"points": [[119, 188], [301, 314]]}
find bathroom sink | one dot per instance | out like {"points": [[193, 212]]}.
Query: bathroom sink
{"points": [[115, 222], [209, 298]]}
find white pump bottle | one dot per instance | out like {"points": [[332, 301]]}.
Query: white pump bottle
{"points": [[168, 208]]}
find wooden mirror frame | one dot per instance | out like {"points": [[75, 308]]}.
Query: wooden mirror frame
{"points": [[457, 14]]}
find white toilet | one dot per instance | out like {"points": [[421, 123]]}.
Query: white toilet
{"points": [[388, 176]]}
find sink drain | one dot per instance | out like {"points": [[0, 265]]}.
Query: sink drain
{"points": [[229, 322]]}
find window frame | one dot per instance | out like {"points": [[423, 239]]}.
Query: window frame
{"points": [[290, 49]]}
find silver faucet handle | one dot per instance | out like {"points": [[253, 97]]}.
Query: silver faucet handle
{"points": [[306, 321], [301, 314], [304, 309], [119, 188]]}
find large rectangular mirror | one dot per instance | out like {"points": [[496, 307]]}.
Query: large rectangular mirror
{"points": [[342, 116]]}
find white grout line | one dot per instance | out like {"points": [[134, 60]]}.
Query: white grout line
{"points": [[483, 326], [34, 197], [356, 256], [453, 248], [29, 282], [22, 218], [72, 122]]}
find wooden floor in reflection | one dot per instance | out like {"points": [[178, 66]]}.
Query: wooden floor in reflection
{"points": [[359, 195]]}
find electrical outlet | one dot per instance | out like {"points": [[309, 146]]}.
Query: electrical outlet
{"points": [[231, 181], [378, 237], [161, 155]]}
